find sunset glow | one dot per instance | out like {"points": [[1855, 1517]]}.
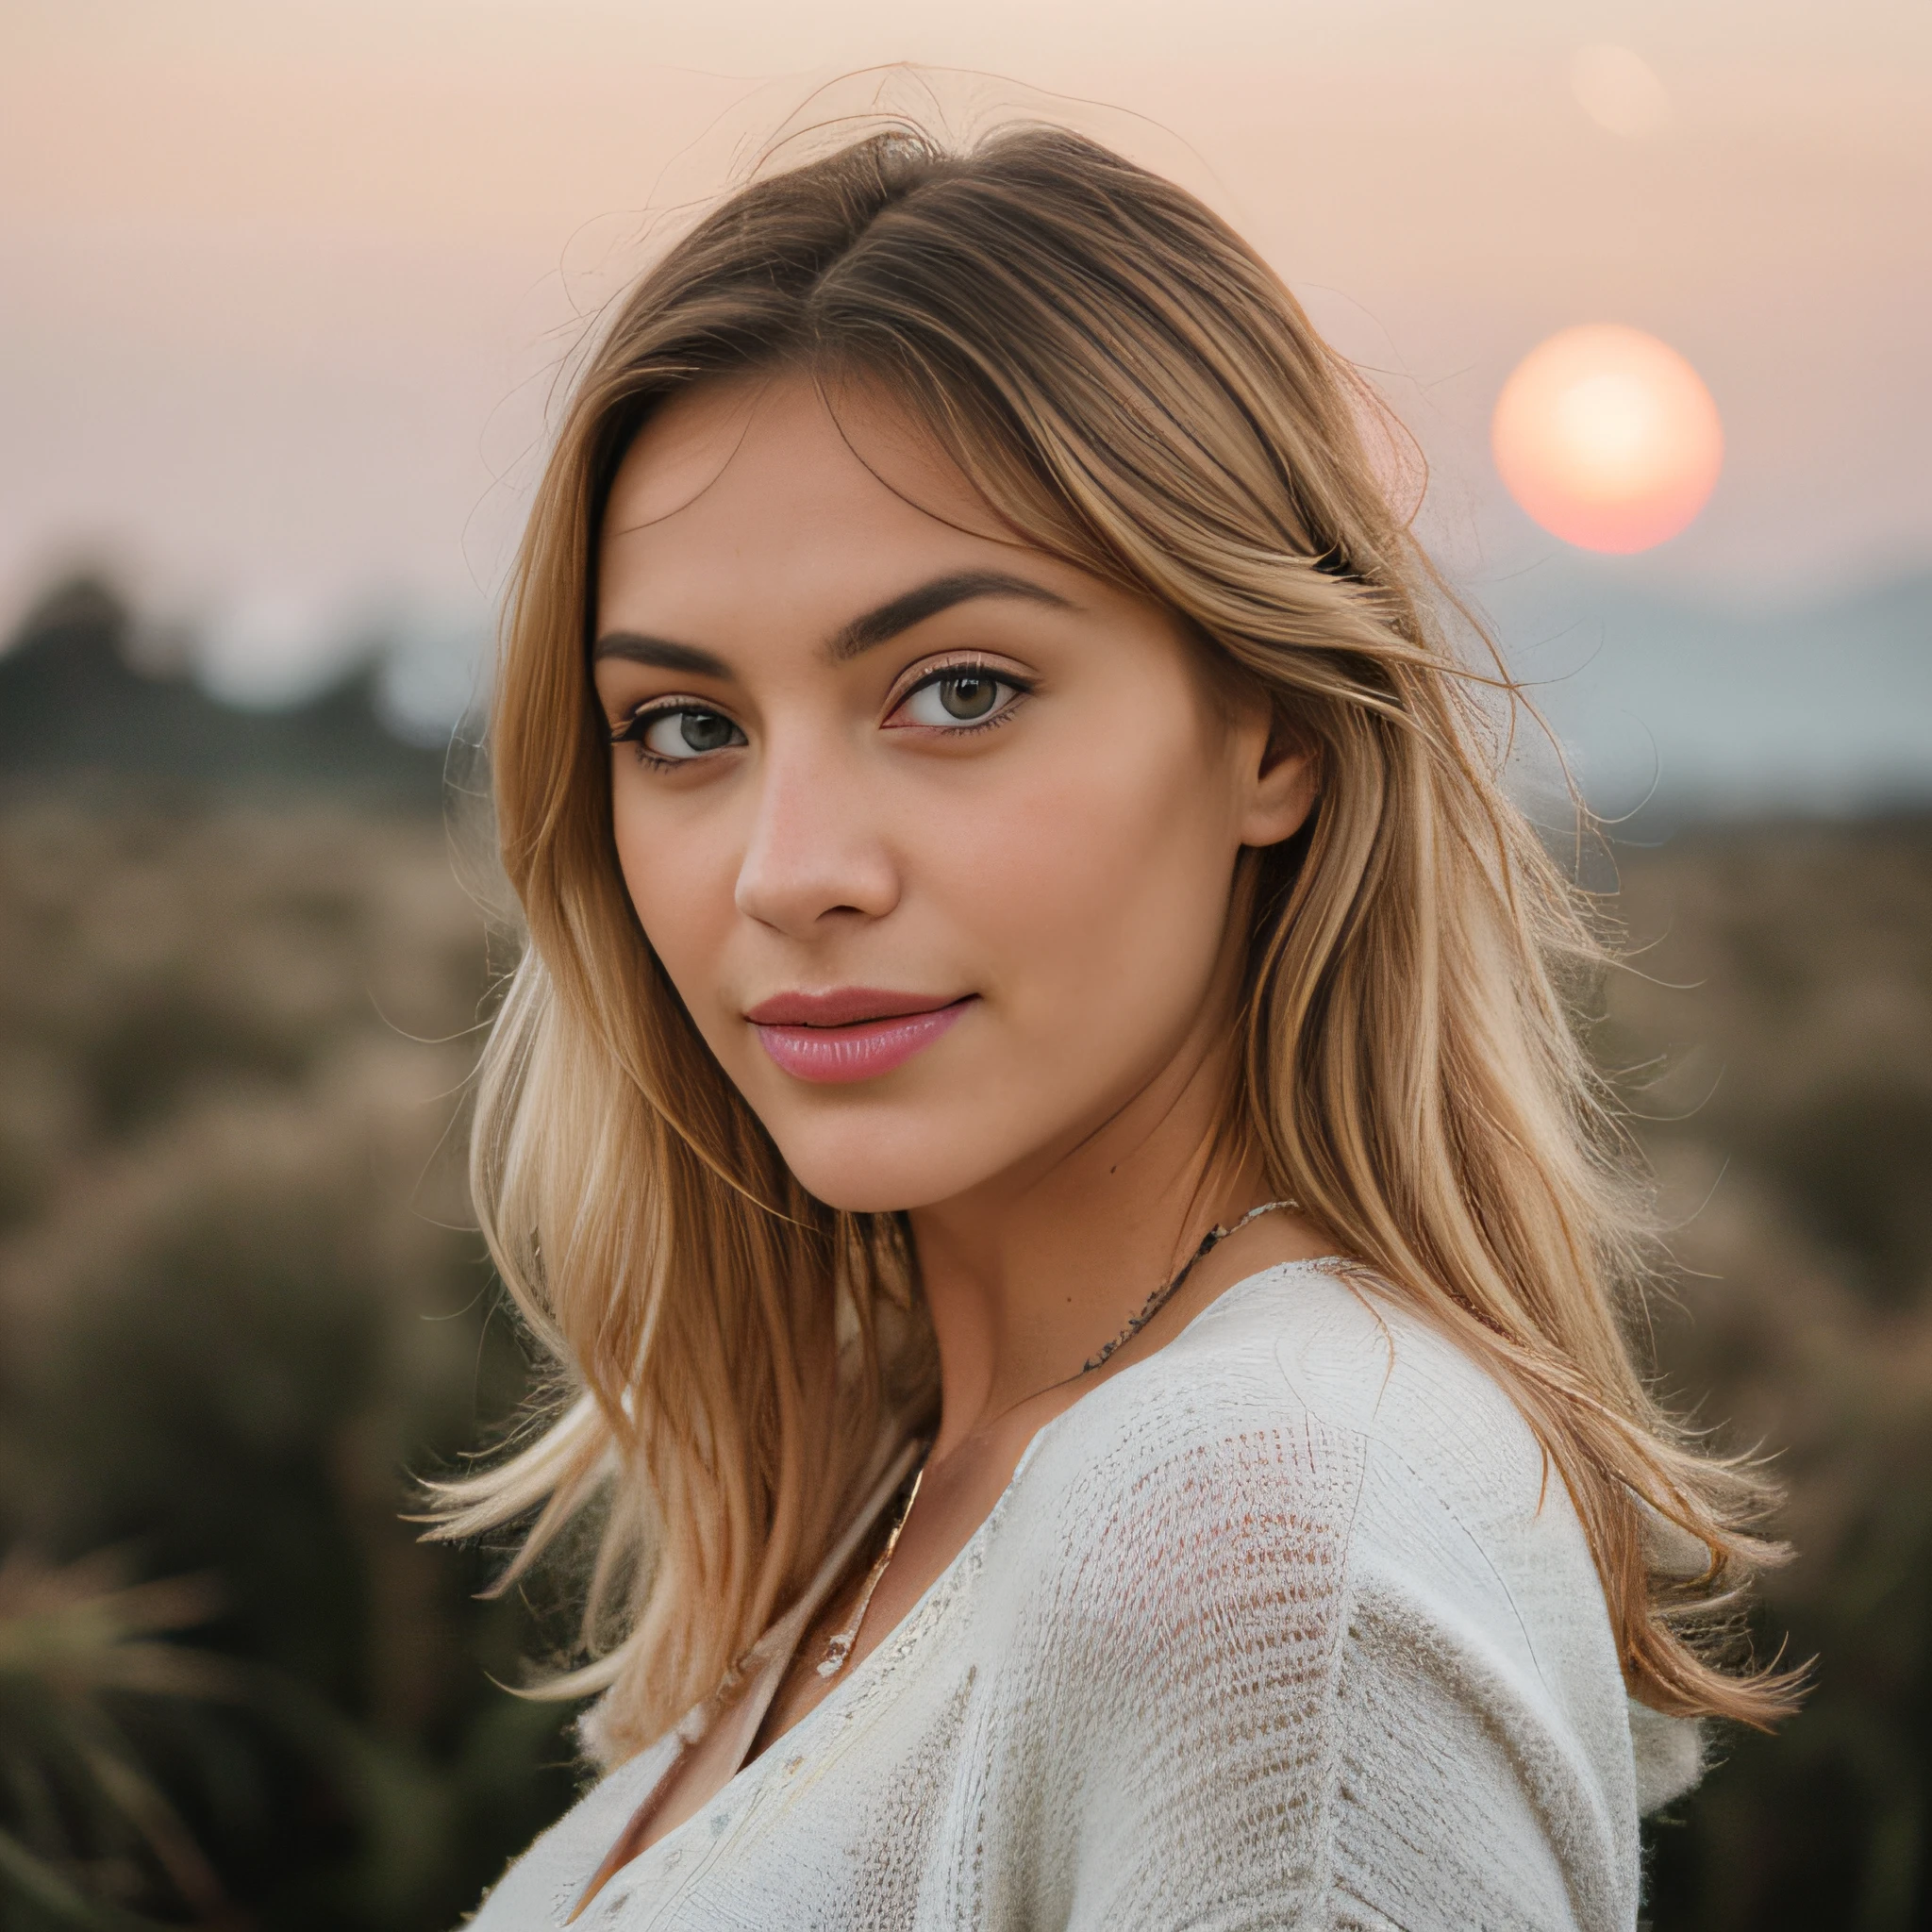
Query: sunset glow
{"points": [[1607, 438]]}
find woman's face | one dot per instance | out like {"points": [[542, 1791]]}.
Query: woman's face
{"points": [[934, 835]]}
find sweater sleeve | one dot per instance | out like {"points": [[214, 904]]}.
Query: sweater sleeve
{"points": [[1261, 1710]]}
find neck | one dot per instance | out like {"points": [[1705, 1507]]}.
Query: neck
{"points": [[1026, 1275]]}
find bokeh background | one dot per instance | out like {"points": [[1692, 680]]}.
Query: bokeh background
{"points": [[287, 293]]}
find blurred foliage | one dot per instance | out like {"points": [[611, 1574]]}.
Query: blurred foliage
{"points": [[239, 1305], [67, 1637], [1779, 1004]]}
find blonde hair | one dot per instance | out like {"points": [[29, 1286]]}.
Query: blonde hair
{"points": [[1136, 394]]}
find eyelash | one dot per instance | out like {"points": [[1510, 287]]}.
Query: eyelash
{"points": [[1021, 687], [633, 729]]}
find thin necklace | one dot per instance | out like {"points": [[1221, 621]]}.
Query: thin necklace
{"points": [[839, 1650], [1168, 1290]]}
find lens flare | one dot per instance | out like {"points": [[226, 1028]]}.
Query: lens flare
{"points": [[1618, 92], [1607, 438]]}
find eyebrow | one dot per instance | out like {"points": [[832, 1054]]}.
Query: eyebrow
{"points": [[634, 647], [877, 626], [900, 614]]}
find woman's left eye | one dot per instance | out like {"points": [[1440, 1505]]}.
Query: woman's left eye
{"points": [[954, 699]]}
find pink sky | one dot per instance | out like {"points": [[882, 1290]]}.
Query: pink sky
{"points": [[283, 282]]}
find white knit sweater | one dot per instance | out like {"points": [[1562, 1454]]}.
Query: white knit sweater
{"points": [[1281, 1626]]}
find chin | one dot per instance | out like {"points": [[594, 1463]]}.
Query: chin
{"points": [[888, 1167]]}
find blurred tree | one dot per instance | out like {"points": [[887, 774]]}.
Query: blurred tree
{"points": [[86, 689]]}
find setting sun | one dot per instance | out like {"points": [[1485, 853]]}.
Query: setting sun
{"points": [[1607, 438]]}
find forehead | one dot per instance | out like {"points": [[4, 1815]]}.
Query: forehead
{"points": [[746, 484]]}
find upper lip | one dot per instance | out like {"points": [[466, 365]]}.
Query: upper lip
{"points": [[843, 1006]]}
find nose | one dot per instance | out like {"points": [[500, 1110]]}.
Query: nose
{"points": [[817, 851]]}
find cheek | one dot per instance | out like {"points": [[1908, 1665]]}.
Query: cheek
{"points": [[680, 877], [1100, 888]]}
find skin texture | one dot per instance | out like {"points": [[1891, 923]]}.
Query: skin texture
{"points": [[1066, 870]]}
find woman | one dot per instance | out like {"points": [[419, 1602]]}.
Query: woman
{"points": [[1040, 1123]]}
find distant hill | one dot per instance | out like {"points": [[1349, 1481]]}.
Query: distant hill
{"points": [[1824, 705], [75, 706]]}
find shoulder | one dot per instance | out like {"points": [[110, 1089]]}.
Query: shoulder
{"points": [[1316, 1535], [1304, 1576], [1460, 1529], [1320, 1379], [1307, 1428], [1313, 1463], [1207, 1423], [1439, 1434]]}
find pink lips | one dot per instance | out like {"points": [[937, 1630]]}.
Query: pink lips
{"points": [[852, 1033]]}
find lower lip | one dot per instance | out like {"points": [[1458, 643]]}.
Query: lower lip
{"points": [[838, 1055]]}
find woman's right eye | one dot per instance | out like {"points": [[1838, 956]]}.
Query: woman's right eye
{"points": [[677, 734]]}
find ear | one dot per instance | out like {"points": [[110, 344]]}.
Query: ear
{"points": [[1279, 779]]}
